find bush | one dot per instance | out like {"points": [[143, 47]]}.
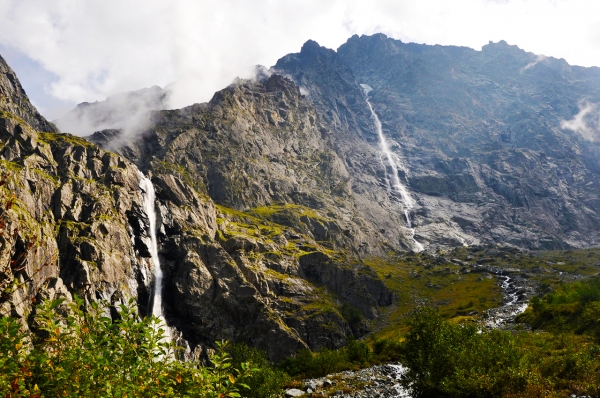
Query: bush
{"points": [[87, 354], [386, 350], [573, 307], [327, 361], [266, 381], [447, 360]]}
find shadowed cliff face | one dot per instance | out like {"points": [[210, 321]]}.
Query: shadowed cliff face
{"points": [[78, 226]]}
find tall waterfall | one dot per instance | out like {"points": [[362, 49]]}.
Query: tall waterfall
{"points": [[394, 163], [149, 202]]}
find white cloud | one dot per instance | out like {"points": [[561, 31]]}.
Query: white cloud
{"points": [[586, 122], [96, 48], [538, 58]]}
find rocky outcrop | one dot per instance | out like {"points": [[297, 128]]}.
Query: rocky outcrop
{"points": [[14, 101], [68, 215]]}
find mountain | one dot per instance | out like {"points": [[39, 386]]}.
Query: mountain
{"points": [[272, 197], [74, 221], [481, 133], [479, 142]]}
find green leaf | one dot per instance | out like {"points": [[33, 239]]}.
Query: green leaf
{"points": [[56, 303]]}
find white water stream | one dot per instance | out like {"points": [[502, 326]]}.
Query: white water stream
{"points": [[512, 306], [149, 202], [393, 161]]}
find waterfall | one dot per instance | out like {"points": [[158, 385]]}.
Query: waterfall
{"points": [[396, 165], [148, 202]]}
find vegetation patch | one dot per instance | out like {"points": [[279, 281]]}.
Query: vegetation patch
{"points": [[418, 279], [84, 353], [268, 212], [571, 308], [64, 138]]}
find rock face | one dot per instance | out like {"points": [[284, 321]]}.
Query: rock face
{"points": [[65, 204], [72, 221], [13, 100], [483, 136]]}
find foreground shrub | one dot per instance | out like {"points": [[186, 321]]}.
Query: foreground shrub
{"points": [[85, 353]]}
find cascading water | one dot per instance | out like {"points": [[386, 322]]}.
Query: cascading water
{"points": [[149, 201], [394, 163], [515, 302]]}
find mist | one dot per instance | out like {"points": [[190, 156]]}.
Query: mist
{"points": [[586, 122], [538, 58], [124, 111]]}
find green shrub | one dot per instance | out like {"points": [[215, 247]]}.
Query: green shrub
{"points": [[448, 360], [327, 361], [386, 350], [358, 352], [351, 314], [85, 353], [266, 381], [572, 307]]}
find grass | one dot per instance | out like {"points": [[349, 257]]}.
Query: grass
{"points": [[417, 280], [65, 137], [287, 210]]}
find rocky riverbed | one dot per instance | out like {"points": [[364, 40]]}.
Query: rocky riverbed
{"points": [[516, 292], [376, 381]]}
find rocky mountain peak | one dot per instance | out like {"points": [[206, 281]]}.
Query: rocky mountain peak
{"points": [[13, 99]]}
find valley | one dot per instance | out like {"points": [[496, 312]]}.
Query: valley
{"points": [[319, 208]]}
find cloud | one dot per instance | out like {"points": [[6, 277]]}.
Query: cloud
{"points": [[94, 49], [586, 122], [128, 112], [537, 60]]}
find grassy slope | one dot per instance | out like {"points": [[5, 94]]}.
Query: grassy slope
{"points": [[421, 279]]}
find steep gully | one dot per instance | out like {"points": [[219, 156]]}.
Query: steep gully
{"points": [[408, 203]]}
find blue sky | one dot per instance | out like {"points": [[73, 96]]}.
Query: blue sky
{"points": [[70, 51]]}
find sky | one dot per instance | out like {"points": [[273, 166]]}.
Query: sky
{"points": [[70, 51]]}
